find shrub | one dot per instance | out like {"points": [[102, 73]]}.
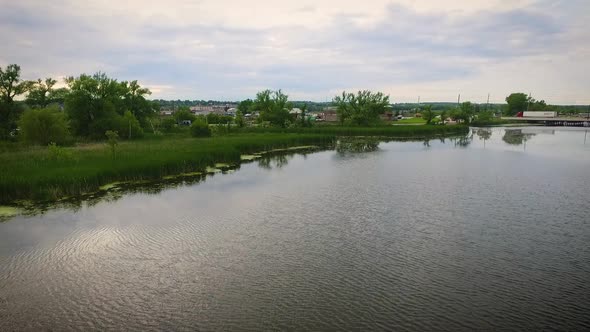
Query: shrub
{"points": [[200, 129], [168, 125], [113, 140], [58, 153], [43, 126], [129, 126]]}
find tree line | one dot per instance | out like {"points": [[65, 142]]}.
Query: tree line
{"points": [[87, 107], [90, 105]]}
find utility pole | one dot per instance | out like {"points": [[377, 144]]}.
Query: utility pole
{"points": [[488, 103], [459, 100]]}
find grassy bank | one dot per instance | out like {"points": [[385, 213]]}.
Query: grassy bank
{"points": [[411, 121], [41, 174], [386, 131]]}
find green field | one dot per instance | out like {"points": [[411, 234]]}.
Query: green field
{"points": [[41, 173], [411, 121]]}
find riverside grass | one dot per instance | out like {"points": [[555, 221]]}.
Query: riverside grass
{"points": [[36, 174]]}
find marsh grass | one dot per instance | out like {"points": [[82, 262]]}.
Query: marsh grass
{"points": [[48, 174], [36, 174]]}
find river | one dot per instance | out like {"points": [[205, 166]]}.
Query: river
{"points": [[490, 232]]}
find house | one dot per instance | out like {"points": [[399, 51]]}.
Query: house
{"points": [[329, 114], [387, 116], [296, 112]]}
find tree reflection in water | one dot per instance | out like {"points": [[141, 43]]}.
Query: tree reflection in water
{"points": [[357, 145], [275, 161], [484, 134], [516, 136]]}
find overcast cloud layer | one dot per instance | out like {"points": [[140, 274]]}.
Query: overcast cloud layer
{"points": [[229, 49]]}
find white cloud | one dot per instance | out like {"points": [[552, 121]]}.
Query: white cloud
{"points": [[229, 49]]}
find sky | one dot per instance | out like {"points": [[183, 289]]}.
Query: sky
{"points": [[311, 49]]}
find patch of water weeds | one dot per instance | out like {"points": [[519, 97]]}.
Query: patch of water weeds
{"points": [[7, 212], [115, 190]]}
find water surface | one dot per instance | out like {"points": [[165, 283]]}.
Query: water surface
{"points": [[489, 231]]}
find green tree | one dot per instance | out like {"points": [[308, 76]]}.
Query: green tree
{"points": [[443, 116], [362, 108], [200, 128], [44, 126], [467, 111], [58, 95], [40, 93], [274, 107], [245, 105], [136, 102], [98, 103], [182, 115], [537, 106], [427, 114], [130, 126], [304, 120], [239, 119], [168, 125], [94, 104], [112, 140], [517, 102], [11, 86]]}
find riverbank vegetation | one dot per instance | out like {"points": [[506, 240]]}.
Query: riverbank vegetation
{"points": [[65, 141], [49, 174]]}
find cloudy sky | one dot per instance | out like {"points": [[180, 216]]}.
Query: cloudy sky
{"points": [[312, 49]]}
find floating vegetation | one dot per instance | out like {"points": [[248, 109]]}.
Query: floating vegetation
{"points": [[7, 212], [249, 157], [30, 174], [110, 186]]}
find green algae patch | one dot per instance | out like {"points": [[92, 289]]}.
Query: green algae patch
{"points": [[9, 212], [294, 148], [212, 170], [222, 165], [110, 186], [182, 175], [249, 157]]}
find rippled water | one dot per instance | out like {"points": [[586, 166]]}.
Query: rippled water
{"points": [[456, 235]]}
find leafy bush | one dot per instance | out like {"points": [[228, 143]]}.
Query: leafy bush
{"points": [[129, 126], [113, 140], [58, 153], [183, 115], [200, 129], [168, 125], [43, 126]]}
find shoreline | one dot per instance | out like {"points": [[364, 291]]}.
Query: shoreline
{"points": [[35, 174]]}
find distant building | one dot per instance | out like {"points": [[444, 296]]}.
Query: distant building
{"points": [[387, 116], [296, 112], [329, 114]]}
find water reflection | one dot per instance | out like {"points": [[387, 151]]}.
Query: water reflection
{"points": [[484, 133], [462, 141], [344, 146], [276, 161], [357, 145], [516, 136]]}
